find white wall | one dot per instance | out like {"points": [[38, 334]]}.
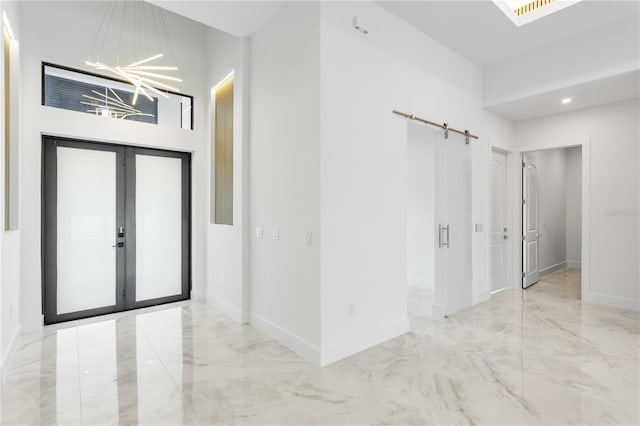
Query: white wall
{"points": [[285, 177], [552, 208], [574, 202], [70, 27], [9, 241], [364, 165], [420, 206], [228, 246], [611, 189]]}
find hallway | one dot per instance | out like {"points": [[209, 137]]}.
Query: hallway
{"points": [[537, 356]]}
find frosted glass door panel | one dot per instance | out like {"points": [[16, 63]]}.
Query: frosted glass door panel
{"points": [[453, 214], [86, 229], [158, 227]]}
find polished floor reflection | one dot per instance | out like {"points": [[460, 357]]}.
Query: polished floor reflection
{"points": [[532, 357]]}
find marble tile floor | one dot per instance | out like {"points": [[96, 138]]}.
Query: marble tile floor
{"points": [[525, 357]]}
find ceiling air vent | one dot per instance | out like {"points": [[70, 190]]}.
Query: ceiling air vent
{"points": [[530, 7], [521, 12]]}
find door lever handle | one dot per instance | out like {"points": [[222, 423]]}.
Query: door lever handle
{"points": [[119, 245]]}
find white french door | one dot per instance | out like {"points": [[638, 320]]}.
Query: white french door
{"points": [[530, 262], [116, 225]]}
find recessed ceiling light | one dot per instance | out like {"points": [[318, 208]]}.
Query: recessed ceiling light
{"points": [[566, 100]]}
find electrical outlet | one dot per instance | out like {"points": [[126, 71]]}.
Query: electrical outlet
{"points": [[259, 233], [309, 238], [275, 234]]}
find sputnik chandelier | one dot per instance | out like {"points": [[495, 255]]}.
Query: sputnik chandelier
{"points": [[131, 40]]}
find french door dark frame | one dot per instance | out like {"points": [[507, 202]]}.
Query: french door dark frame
{"points": [[125, 217]]}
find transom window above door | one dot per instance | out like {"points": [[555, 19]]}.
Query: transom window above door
{"points": [[77, 90]]}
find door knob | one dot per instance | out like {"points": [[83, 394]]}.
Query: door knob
{"points": [[505, 236]]}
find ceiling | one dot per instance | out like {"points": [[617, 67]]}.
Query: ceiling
{"points": [[477, 30], [240, 18], [480, 32], [586, 95]]}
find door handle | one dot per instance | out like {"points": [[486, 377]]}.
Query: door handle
{"points": [[446, 228], [119, 245], [441, 242], [505, 236]]}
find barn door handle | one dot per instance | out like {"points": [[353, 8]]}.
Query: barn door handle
{"points": [[441, 241]]}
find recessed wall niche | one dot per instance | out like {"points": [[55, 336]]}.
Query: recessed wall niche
{"points": [[222, 174], [11, 84]]}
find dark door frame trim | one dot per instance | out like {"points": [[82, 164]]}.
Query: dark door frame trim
{"points": [[125, 206]]}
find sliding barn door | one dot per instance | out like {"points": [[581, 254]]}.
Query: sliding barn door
{"points": [[454, 223], [450, 171]]}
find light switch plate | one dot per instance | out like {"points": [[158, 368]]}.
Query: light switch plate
{"points": [[259, 233], [275, 234]]}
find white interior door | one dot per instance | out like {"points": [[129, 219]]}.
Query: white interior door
{"points": [[498, 221], [530, 258], [453, 266]]}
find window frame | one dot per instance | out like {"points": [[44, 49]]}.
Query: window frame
{"points": [[91, 74]]}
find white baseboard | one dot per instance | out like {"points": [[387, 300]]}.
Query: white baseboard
{"points": [[481, 296], [420, 283], [290, 340], [612, 301], [227, 308], [551, 269], [574, 264], [348, 347], [5, 363], [33, 324]]}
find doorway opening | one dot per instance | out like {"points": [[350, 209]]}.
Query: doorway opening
{"points": [[421, 222], [116, 224], [552, 218]]}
